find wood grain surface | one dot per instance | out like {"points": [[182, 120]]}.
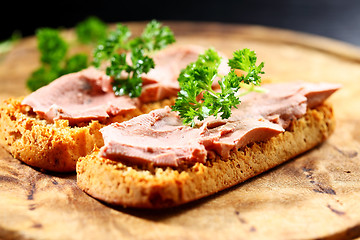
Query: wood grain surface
{"points": [[315, 196]]}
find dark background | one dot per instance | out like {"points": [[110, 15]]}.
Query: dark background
{"points": [[338, 19]]}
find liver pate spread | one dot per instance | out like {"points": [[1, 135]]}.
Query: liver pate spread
{"points": [[161, 139], [88, 95], [78, 97]]}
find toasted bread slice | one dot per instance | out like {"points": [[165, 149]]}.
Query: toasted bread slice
{"points": [[54, 146], [155, 187]]}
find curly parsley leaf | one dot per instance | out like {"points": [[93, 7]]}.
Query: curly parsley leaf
{"points": [[129, 58], [91, 30], [131, 82], [154, 37], [51, 46], [197, 99], [116, 41], [246, 60], [75, 63]]}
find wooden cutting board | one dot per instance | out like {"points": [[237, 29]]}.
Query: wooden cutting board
{"points": [[316, 195]]}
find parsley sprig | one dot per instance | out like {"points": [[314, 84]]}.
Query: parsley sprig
{"points": [[54, 49], [91, 30], [245, 60], [117, 47], [197, 99], [53, 57]]}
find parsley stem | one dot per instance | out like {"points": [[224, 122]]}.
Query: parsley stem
{"points": [[212, 92], [250, 88]]}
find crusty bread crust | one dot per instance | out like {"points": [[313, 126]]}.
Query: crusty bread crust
{"points": [[120, 184], [53, 146]]}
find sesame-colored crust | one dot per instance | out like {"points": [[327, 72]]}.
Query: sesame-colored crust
{"points": [[53, 146], [149, 187]]}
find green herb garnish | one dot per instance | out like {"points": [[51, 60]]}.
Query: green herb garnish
{"points": [[75, 63], [91, 30], [197, 79], [53, 50], [115, 42], [154, 37], [52, 47], [129, 58], [246, 60]]}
